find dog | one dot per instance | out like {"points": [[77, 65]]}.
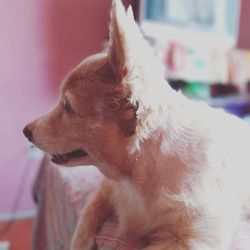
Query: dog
{"points": [[176, 170]]}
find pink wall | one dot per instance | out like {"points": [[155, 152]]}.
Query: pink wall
{"points": [[40, 42], [243, 32]]}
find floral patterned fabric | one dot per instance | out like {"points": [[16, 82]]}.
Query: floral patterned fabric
{"points": [[62, 192]]}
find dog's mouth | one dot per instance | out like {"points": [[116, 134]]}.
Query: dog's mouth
{"points": [[64, 158]]}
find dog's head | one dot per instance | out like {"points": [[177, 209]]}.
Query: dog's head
{"points": [[104, 106]]}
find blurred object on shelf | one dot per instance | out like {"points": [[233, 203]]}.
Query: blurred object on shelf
{"points": [[248, 86], [177, 84], [221, 90], [226, 96], [206, 65], [197, 89], [239, 66], [238, 105]]}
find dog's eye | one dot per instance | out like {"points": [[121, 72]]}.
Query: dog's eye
{"points": [[67, 107]]}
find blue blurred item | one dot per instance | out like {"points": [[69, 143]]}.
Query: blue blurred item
{"points": [[238, 105]]}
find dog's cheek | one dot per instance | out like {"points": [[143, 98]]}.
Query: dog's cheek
{"points": [[126, 119], [124, 113], [127, 126]]}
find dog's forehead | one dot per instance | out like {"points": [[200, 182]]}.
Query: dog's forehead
{"points": [[91, 63], [84, 70]]}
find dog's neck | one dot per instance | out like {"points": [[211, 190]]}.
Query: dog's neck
{"points": [[156, 159], [152, 164], [166, 152]]}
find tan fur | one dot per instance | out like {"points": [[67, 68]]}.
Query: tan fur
{"points": [[177, 170]]}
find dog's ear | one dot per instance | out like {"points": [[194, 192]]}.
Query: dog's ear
{"points": [[136, 74], [124, 36]]}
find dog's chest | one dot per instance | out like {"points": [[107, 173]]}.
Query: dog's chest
{"points": [[130, 205], [129, 197]]}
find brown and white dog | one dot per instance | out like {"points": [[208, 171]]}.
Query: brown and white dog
{"points": [[177, 170]]}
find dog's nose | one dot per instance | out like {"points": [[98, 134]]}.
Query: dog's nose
{"points": [[28, 133]]}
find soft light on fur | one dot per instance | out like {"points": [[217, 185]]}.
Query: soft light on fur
{"points": [[177, 170]]}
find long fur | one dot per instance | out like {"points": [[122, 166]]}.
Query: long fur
{"points": [[177, 170]]}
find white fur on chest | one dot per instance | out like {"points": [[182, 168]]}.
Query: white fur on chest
{"points": [[130, 207], [131, 198]]}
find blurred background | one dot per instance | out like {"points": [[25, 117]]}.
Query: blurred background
{"points": [[204, 46]]}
